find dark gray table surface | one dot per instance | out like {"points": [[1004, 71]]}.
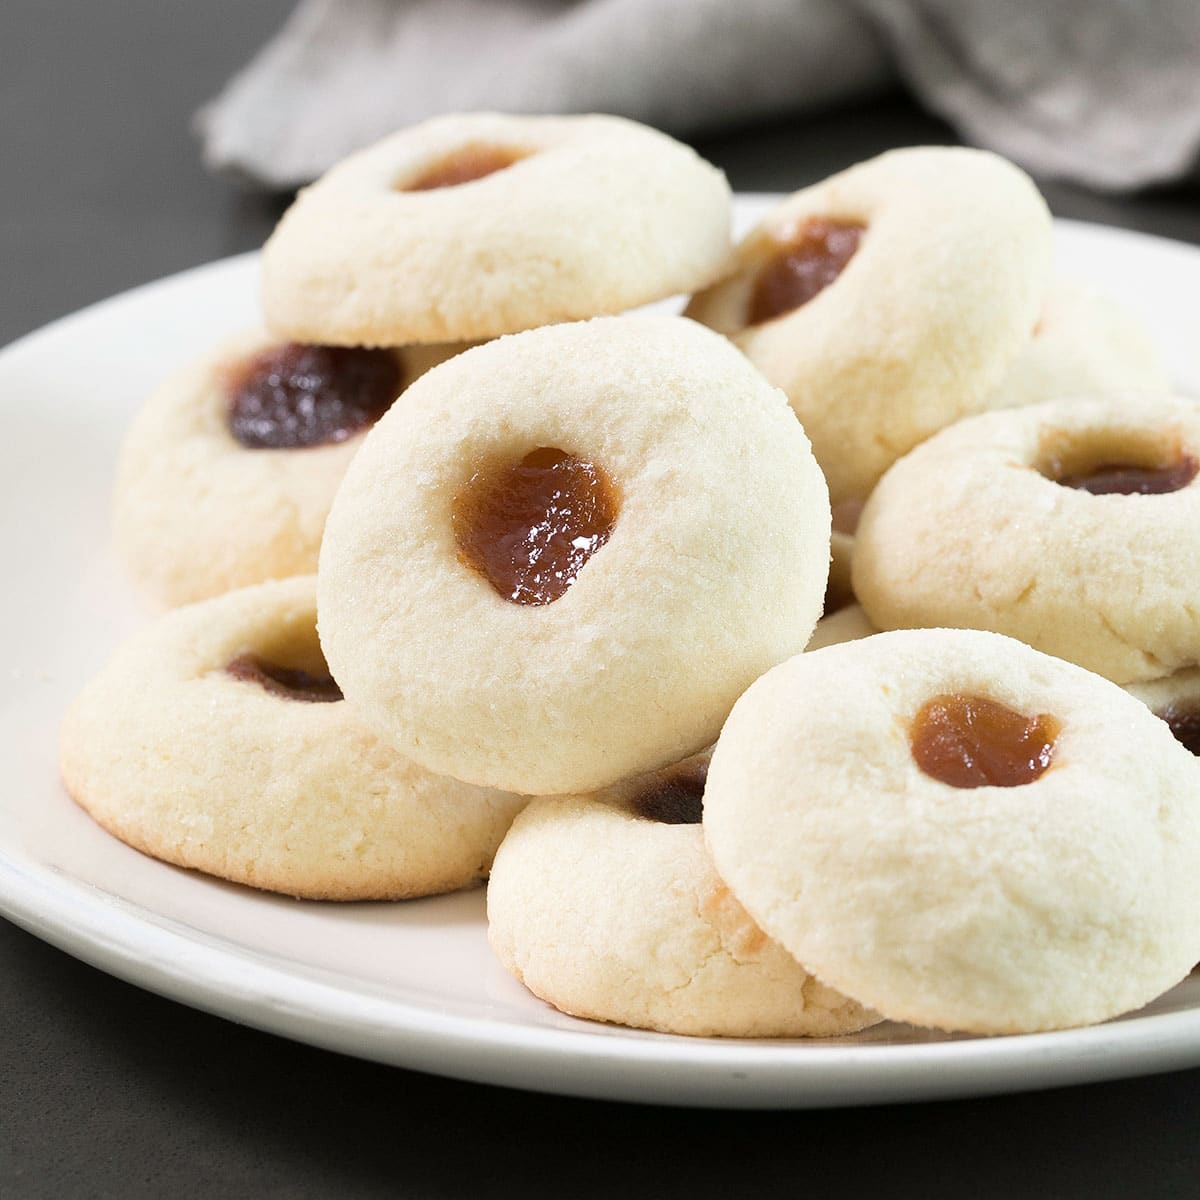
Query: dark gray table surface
{"points": [[106, 1090]]}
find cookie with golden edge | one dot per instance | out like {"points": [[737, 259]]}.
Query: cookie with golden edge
{"points": [[607, 907], [888, 300], [216, 740], [569, 551], [1073, 526], [961, 832], [227, 473], [474, 225]]}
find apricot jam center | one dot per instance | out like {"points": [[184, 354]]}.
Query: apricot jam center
{"points": [[1184, 722], [463, 166], [528, 529], [806, 265], [674, 797], [970, 741], [294, 396], [290, 683], [1125, 479]]}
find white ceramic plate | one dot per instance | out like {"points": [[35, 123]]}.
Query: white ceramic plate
{"points": [[412, 984]]}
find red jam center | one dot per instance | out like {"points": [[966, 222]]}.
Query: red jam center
{"points": [[674, 797], [1127, 480], [528, 529], [290, 683], [294, 396], [1184, 723], [463, 166], [806, 265], [969, 742]]}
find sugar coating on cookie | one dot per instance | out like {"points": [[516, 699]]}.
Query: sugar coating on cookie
{"points": [[696, 548], [1074, 526], [888, 300], [607, 907], [470, 226], [216, 740], [227, 473], [1084, 344], [978, 905]]}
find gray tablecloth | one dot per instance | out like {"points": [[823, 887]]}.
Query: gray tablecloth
{"points": [[1104, 92]]}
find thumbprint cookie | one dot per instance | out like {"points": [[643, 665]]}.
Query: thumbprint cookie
{"points": [[888, 300], [961, 832], [569, 551], [227, 474], [607, 906], [216, 739], [1073, 526], [470, 226]]}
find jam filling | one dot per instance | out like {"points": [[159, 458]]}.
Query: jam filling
{"points": [[675, 797], [1184, 722], [528, 529], [806, 265], [290, 683], [1125, 479], [970, 741], [463, 166], [296, 395]]}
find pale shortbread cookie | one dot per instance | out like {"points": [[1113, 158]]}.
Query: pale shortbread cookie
{"points": [[967, 531], [608, 913], [922, 322], [991, 909], [597, 214], [1176, 700], [196, 512], [845, 625], [1084, 344], [174, 754], [714, 570]]}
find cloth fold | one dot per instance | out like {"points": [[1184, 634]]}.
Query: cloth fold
{"points": [[1104, 92]]}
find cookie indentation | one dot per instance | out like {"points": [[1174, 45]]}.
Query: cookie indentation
{"points": [[675, 797], [802, 267], [1184, 722], [970, 741], [296, 395], [290, 683], [464, 166], [1117, 462], [1126, 479], [530, 528]]}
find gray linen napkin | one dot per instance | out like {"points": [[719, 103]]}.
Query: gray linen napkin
{"points": [[1103, 92], [1106, 92]]}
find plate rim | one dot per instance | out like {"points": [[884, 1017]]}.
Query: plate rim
{"points": [[236, 984]]}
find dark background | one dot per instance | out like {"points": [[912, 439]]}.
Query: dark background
{"points": [[109, 1091]]}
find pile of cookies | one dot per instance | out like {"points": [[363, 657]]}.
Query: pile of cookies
{"points": [[565, 561]]}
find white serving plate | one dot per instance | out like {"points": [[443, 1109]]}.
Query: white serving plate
{"points": [[412, 984]]}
